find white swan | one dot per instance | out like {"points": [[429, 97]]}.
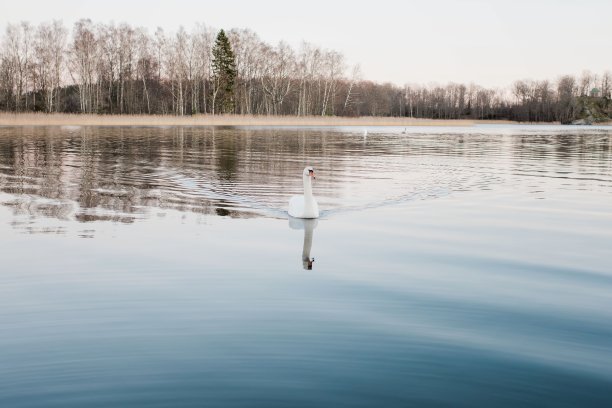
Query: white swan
{"points": [[305, 206]]}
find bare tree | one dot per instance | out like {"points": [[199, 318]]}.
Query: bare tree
{"points": [[606, 84], [355, 77], [15, 58], [277, 77], [84, 56], [333, 69], [144, 65]]}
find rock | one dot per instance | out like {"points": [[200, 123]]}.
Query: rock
{"points": [[586, 121]]}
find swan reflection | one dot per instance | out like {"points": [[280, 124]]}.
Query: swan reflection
{"points": [[308, 225]]}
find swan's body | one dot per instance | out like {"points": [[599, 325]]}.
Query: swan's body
{"points": [[305, 206]]}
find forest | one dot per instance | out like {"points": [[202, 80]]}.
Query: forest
{"points": [[120, 69]]}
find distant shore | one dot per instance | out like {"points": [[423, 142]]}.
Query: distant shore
{"points": [[78, 119], [62, 119]]}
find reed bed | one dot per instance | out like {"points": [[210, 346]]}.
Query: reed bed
{"points": [[63, 119]]}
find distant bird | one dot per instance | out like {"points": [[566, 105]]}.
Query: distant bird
{"points": [[404, 132], [305, 206]]}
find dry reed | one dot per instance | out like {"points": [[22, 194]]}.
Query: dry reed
{"points": [[63, 119]]}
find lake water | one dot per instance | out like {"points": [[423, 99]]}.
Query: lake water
{"points": [[450, 267]]}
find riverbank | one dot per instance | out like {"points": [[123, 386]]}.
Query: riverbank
{"points": [[62, 119]]}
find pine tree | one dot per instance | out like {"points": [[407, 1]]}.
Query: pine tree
{"points": [[224, 74]]}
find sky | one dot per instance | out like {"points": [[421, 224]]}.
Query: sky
{"points": [[491, 43]]}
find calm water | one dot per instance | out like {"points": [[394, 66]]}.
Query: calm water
{"points": [[450, 267]]}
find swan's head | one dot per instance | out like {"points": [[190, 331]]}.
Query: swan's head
{"points": [[307, 263], [309, 172]]}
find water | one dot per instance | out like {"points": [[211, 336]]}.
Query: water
{"points": [[450, 267]]}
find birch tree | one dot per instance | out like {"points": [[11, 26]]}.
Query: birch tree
{"points": [[277, 77], [84, 57]]}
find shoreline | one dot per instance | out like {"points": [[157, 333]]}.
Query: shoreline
{"points": [[65, 119]]}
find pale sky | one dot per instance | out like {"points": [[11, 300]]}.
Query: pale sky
{"points": [[492, 43]]}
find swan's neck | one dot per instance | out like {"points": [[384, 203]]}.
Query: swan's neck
{"points": [[307, 188]]}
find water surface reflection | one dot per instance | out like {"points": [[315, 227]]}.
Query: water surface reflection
{"points": [[308, 225], [455, 267], [124, 174]]}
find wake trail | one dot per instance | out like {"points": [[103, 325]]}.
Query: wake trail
{"points": [[192, 187]]}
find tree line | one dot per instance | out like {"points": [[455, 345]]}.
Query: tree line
{"points": [[120, 69]]}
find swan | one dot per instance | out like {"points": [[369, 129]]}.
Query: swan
{"points": [[305, 206]]}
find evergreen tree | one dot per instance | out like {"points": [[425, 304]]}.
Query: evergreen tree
{"points": [[224, 74]]}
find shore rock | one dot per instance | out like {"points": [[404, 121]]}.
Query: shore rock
{"points": [[585, 121]]}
